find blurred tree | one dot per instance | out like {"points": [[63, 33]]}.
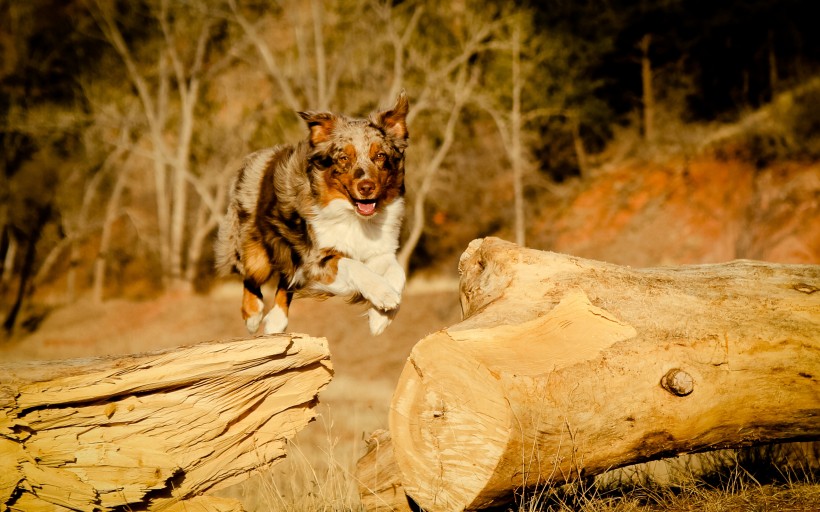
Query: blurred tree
{"points": [[169, 71], [313, 52], [443, 64], [40, 128], [525, 83]]}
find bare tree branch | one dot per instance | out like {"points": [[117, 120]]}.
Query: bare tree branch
{"points": [[271, 65], [462, 91]]}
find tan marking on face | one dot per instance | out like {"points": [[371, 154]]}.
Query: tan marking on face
{"points": [[350, 151], [377, 155], [332, 188], [340, 177]]}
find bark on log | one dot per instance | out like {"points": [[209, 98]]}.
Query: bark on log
{"points": [[565, 367], [154, 431]]}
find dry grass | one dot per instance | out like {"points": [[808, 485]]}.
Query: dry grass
{"points": [[319, 472], [768, 478]]}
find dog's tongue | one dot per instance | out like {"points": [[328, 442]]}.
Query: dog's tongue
{"points": [[366, 208]]}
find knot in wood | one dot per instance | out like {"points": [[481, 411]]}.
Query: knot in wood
{"points": [[678, 382]]}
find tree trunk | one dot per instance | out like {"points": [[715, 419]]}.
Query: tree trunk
{"points": [[648, 91], [578, 144], [154, 431], [112, 208], [466, 81], [565, 367], [773, 74], [8, 259], [517, 149]]}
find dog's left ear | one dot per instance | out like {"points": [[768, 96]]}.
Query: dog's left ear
{"points": [[394, 121], [320, 124]]}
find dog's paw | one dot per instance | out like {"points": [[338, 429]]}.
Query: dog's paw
{"points": [[379, 320], [381, 295], [253, 321], [355, 277], [252, 312], [276, 321]]}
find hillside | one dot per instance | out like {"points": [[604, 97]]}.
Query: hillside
{"points": [[703, 210]]}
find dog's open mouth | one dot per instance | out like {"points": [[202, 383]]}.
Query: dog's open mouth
{"points": [[366, 207]]}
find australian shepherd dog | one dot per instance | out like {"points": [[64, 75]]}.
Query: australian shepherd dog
{"points": [[320, 217]]}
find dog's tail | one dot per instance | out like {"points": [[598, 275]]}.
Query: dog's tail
{"points": [[228, 246]]}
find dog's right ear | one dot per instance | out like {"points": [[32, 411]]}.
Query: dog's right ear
{"points": [[320, 124], [394, 121]]}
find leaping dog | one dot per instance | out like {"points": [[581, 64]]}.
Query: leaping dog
{"points": [[322, 216]]}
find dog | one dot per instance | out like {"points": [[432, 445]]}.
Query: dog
{"points": [[321, 217]]}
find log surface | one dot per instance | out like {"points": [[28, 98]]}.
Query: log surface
{"points": [[565, 367], [152, 430]]}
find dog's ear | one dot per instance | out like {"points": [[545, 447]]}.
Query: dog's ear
{"points": [[320, 124], [394, 121]]}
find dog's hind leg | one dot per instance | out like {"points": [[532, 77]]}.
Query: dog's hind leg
{"points": [[252, 305], [277, 318], [257, 270]]}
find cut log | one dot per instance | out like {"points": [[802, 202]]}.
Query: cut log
{"points": [[154, 431], [565, 367]]}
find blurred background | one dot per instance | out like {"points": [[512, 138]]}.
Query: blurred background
{"points": [[641, 133]]}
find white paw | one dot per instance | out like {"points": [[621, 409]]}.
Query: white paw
{"points": [[276, 321], [379, 320], [253, 321], [380, 294]]}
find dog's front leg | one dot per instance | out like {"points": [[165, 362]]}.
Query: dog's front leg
{"points": [[387, 266], [340, 275]]}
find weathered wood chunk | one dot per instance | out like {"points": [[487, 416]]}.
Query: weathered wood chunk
{"points": [[157, 429]]}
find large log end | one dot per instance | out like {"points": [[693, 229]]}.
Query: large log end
{"points": [[565, 367]]}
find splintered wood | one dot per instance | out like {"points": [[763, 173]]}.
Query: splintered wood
{"points": [[565, 367], [154, 430]]}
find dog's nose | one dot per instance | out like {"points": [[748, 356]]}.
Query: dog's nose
{"points": [[366, 187]]}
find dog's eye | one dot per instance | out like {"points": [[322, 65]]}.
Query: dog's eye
{"points": [[343, 159], [380, 157]]}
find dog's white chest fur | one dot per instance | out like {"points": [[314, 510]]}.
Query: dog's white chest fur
{"points": [[337, 226]]}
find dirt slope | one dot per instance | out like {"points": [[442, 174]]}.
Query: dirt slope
{"points": [[701, 211]]}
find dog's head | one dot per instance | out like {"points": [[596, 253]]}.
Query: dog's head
{"points": [[360, 161]]}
